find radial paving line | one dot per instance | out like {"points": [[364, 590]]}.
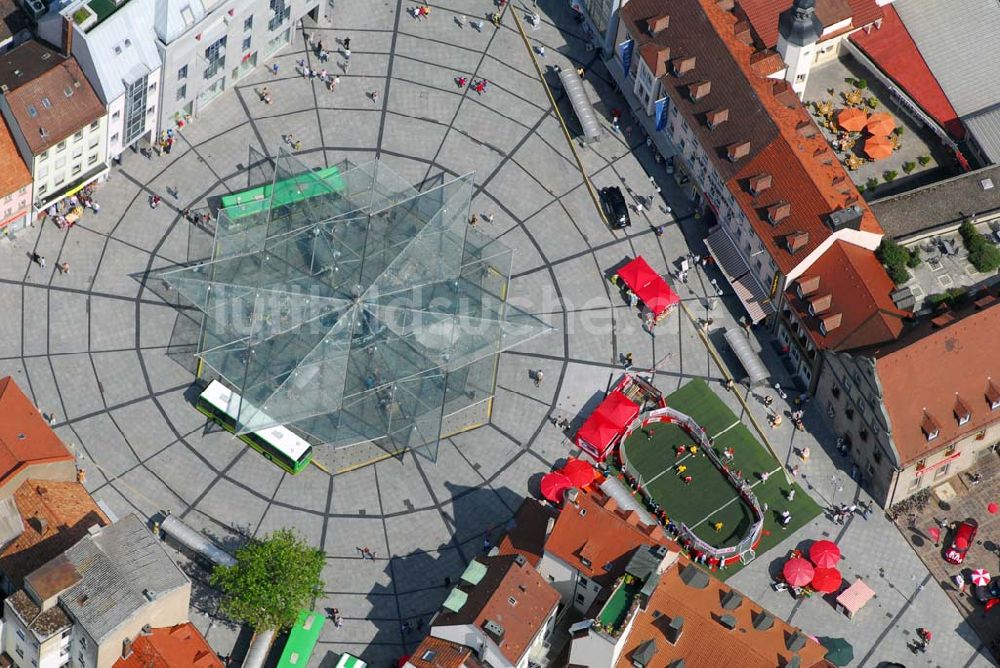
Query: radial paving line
{"points": [[725, 372], [562, 122]]}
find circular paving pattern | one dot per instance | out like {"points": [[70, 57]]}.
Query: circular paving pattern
{"points": [[97, 347]]}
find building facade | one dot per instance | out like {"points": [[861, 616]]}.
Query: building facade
{"points": [[207, 46], [58, 123], [924, 408], [115, 47], [15, 185]]}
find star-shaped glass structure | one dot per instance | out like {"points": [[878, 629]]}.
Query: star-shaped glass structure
{"points": [[346, 304]]}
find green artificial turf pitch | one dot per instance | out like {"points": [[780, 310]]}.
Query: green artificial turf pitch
{"points": [[709, 498]]}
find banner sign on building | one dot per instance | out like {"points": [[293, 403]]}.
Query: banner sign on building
{"points": [[661, 113], [625, 53]]}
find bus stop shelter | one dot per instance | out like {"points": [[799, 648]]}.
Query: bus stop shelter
{"points": [[739, 343], [606, 424], [582, 106]]}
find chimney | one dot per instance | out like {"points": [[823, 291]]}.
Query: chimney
{"points": [[846, 218], [738, 150], [572, 494], [126, 648], [725, 5], [796, 241], [778, 211], [683, 65], [699, 89], [717, 116], [820, 304], [806, 129], [830, 323], [40, 524], [494, 630], [741, 30], [147, 630], [67, 36], [760, 183], [808, 285], [674, 630], [658, 23], [549, 526]]}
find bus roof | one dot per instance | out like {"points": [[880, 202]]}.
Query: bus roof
{"points": [[302, 639], [281, 438], [350, 661]]}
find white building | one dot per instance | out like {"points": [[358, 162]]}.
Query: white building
{"points": [[113, 43], [58, 123], [206, 46]]}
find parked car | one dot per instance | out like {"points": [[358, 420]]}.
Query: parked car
{"points": [[613, 203], [964, 535]]}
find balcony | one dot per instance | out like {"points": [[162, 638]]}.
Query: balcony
{"points": [[619, 608]]}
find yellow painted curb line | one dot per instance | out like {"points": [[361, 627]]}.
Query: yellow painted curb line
{"points": [[562, 122]]}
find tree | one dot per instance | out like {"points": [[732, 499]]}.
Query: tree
{"points": [[983, 255], [895, 258], [272, 580]]}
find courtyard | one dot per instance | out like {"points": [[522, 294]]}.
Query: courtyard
{"points": [[93, 347]]}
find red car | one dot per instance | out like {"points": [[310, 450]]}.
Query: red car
{"points": [[966, 533]]}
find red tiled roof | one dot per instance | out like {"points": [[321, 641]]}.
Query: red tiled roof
{"points": [[527, 536], [763, 15], [859, 290], [704, 641], [15, 174], [446, 654], [55, 516], [864, 12], [893, 50], [25, 437], [507, 577], [595, 529], [930, 372], [171, 647]]}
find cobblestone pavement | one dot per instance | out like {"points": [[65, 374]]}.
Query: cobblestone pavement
{"points": [[90, 346]]}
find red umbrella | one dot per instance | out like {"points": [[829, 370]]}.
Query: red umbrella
{"points": [[824, 553], [993, 508], [852, 119], [935, 534], [826, 580], [553, 486], [878, 148], [798, 572], [579, 472]]}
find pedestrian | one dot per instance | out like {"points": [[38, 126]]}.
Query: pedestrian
{"points": [[486, 543], [768, 400], [36, 258], [52, 419], [41, 261], [473, 220], [541, 50], [786, 519], [804, 452], [648, 433], [274, 69], [297, 145], [681, 468], [63, 267], [628, 361], [95, 207], [680, 450], [537, 377], [693, 450], [334, 82], [489, 218], [347, 55], [460, 20], [319, 46], [374, 96], [959, 582], [687, 480], [478, 25], [718, 526], [764, 476], [346, 42], [791, 495]]}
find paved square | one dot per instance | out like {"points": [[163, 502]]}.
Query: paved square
{"points": [[92, 347]]}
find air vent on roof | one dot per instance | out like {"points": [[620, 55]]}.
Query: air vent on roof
{"points": [[32, 111], [494, 630], [987, 183], [67, 91], [150, 594], [43, 132], [520, 560], [46, 55], [47, 103], [147, 630], [849, 217], [572, 494]]}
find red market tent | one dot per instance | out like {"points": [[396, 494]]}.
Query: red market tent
{"points": [[824, 553], [553, 486], [606, 424], [798, 572], [826, 580], [648, 286], [579, 472]]}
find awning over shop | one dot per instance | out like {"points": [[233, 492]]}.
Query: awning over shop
{"points": [[648, 286], [606, 424], [737, 272], [582, 107], [739, 343]]}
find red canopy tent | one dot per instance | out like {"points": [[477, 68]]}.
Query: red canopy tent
{"points": [[553, 485], [579, 472], [606, 424], [648, 286]]}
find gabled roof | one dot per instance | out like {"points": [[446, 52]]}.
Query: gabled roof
{"points": [[508, 578], [25, 437], [442, 653], [171, 647], [51, 98], [55, 515], [527, 534], [119, 571], [596, 529], [892, 49], [176, 17], [924, 372], [859, 290], [704, 640]]}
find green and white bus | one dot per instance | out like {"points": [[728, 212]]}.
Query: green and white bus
{"points": [[302, 640], [279, 445]]}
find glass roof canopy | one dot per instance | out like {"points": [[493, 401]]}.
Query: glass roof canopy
{"points": [[346, 304]]}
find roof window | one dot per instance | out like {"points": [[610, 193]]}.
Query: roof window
{"points": [[32, 111], [47, 103]]}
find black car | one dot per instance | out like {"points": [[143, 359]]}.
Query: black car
{"points": [[613, 203]]}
